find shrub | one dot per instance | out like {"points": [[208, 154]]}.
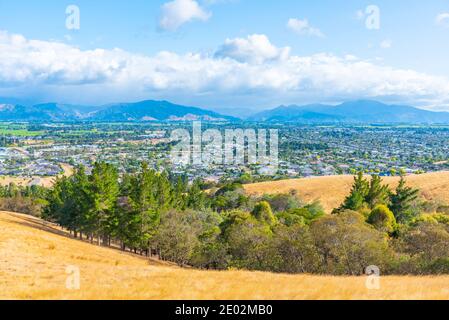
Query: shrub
{"points": [[263, 213], [247, 240], [283, 202], [426, 240], [293, 250], [382, 219], [347, 244]]}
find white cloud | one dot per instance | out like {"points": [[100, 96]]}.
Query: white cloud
{"points": [[386, 44], [178, 12], [247, 72], [255, 48], [303, 27], [442, 19]]}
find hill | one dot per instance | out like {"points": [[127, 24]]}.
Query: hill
{"points": [[361, 111], [332, 190], [34, 257]]}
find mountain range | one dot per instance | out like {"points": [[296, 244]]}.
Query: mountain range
{"points": [[361, 111], [149, 110]]}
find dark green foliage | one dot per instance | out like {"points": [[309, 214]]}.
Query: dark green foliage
{"points": [[128, 210], [402, 201], [196, 198], [378, 193], [230, 197], [357, 197], [154, 212], [102, 198]]}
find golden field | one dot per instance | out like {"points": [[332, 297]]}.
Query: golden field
{"points": [[332, 190], [34, 258]]}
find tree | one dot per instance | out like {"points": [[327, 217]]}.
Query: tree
{"points": [[382, 219], [427, 241], [179, 193], [293, 250], [302, 216], [347, 244], [263, 213], [402, 201], [356, 199], [145, 214], [178, 236], [103, 195], [247, 240], [196, 198], [377, 192], [283, 201]]}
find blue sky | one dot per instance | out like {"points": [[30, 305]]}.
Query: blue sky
{"points": [[226, 53]]}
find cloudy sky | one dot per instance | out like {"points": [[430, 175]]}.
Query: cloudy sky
{"points": [[223, 54]]}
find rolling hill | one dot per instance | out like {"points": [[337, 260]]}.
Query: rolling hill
{"points": [[35, 256], [361, 111], [332, 190]]}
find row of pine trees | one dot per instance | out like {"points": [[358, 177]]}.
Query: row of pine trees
{"points": [[105, 208]]}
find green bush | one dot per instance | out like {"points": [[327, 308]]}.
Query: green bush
{"points": [[263, 213], [382, 219]]}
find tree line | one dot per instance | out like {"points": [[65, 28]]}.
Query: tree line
{"points": [[156, 213]]}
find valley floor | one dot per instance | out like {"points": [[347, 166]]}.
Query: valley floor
{"points": [[37, 261]]}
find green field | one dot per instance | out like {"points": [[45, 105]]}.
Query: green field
{"points": [[20, 132]]}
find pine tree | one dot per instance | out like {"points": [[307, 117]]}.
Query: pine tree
{"points": [[80, 191], [356, 199], [103, 194], [378, 193], [196, 198], [402, 201], [179, 193], [143, 201]]}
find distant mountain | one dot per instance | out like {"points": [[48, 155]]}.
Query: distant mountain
{"points": [[141, 111], [151, 110], [41, 112], [361, 111]]}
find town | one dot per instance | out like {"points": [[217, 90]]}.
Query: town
{"points": [[41, 150]]}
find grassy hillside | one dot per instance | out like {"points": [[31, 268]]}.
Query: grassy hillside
{"points": [[41, 181], [34, 258], [331, 191]]}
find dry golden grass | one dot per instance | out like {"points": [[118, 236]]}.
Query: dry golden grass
{"points": [[34, 258], [43, 182], [331, 191]]}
